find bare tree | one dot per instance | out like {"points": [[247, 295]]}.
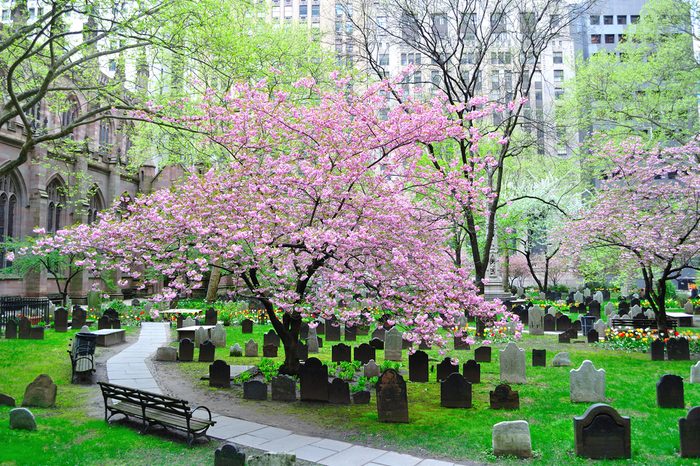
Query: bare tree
{"points": [[460, 42]]}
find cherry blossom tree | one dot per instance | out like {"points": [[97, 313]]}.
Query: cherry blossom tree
{"points": [[648, 208], [318, 206]]}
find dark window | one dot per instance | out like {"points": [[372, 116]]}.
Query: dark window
{"points": [[594, 20], [595, 38], [94, 205], [607, 19], [621, 19], [57, 201], [303, 10], [634, 19], [558, 58], [8, 213], [609, 38], [70, 114], [105, 135]]}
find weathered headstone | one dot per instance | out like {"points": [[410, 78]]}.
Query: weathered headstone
{"points": [[592, 336], [535, 320], [455, 392], [340, 353], [255, 390], [552, 311], [166, 353], [350, 333], [563, 323], [587, 385], [649, 314], [339, 392], [482, 354], [60, 320], [689, 428], [445, 368], [609, 309], [549, 323], [561, 360], [594, 309], [635, 310], [392, 400], [689, 308], [251, 349], [235, 351], [25, 328], [207, 352], [695, 373], [539, 358], [512, 438], [503, 397], [200, 335], [418, 366], [601, 433], [393, 345], [211, 316], [179, 320], [186, 350], [269, 351], [669, 392], [78, 318], [332, 331], [40, 393], [371, 369], [364, 353], [678, 349], [623, 307], [284, 388], [600, 327], [22, 419], [229, 455], [219, 374], [376, 343], [578, 297], [272, 459], [471, 371], [11, 329], [313, 380], [378, 333], [512, 362], [246, 326], [361, 398], [218, 336], [598, 297], [586, 293], [6, 400], [312, 341], [189, 322]]}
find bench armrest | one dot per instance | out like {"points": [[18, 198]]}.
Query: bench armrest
{"points": [[207, 410]]}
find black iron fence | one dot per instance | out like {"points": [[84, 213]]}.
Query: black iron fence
{"points": [[35, 309]]}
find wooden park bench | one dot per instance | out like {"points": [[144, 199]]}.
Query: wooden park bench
{"points": [[82, 355], [642, 323], [154, 409]]}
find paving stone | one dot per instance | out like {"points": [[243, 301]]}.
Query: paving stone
{"points": [[246, 440], [312, 453], [232, 429], [353, 456], [289, 443], [335, 445], [392, 458], [272, 433]]}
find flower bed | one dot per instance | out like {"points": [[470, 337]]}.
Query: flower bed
{"points": [[640, 339]]}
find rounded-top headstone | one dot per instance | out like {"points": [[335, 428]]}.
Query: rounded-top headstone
{"points": [[512, 438], [166, 353], [561, 360], [22, 418], [236, 351]]}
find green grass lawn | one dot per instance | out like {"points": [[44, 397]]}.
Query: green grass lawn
{"points": [[466, 433], [66, 434]]}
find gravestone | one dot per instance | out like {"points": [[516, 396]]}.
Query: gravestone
{"points": [[376, 343], [445, 368], [247, 326], [200, 335], [229, 455], [25, 328], [609, 309], [78, 318], [364, 353], [512, 438], [561, 360], [219, 374], [455, 392], [549, 323], [302, 351], [272, 459], [600, 327], [578, 297], [689, 428], [393, 345], [601, 433], [41, 393], [677, 349], [111, 313], [539, 358], [695, 373], [340, 353], [361, 398], [339, 392], [371, 369], [379, 333], [418, 366], [482, 354], [11, 329], [471, 371], [320, 327], [649, 314], [503, 397], [623, 307], [271, 338], [459, 343], [6, 400], [669, 392], [60, 320], [635, 310], [512, 362], [563, 323], [552, 311], [189, 322], [179, 321], [186, 350], [350, 333], [587, 385], [22, 419], [284, 388], [535, 320], [269, 351], [392, 401], [332, 331], [586, 293], [598, 297], [312, 341], [255, 390], [218, 336], [313, 380], [251, 349], [592, 336], [235, 351], [594, 309], [688, 308], [207, 351], [211, 316], [166, 353], [565, 337], [578, 325]]}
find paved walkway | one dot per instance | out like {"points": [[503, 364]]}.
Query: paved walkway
{"points": [[129, 368]]}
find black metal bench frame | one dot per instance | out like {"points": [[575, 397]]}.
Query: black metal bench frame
{"points": [[642, 323], [154, 409], [84, 350]]}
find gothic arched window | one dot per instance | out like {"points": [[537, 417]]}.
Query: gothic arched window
{"points": [[57, 202], [95, 205], [9, 194]]}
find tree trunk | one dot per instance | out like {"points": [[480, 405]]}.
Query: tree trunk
{"points": [[660, 299], [288, 331], [213, 287]]}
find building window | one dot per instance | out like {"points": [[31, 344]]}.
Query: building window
{"points": [[609, 38], [8, 213], [621, 19], [315, 11], [303, 10], [410, 59], [595, 38], [558, 58], [95, 205], [383, 59], [105, 136], [558, 76], [558, 93], [594, 20], [69, 116], [607, 19], [634, 19], [57, 202], [417, 78]]}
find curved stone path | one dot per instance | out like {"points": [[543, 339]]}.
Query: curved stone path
{"points": [[129, 368]]}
